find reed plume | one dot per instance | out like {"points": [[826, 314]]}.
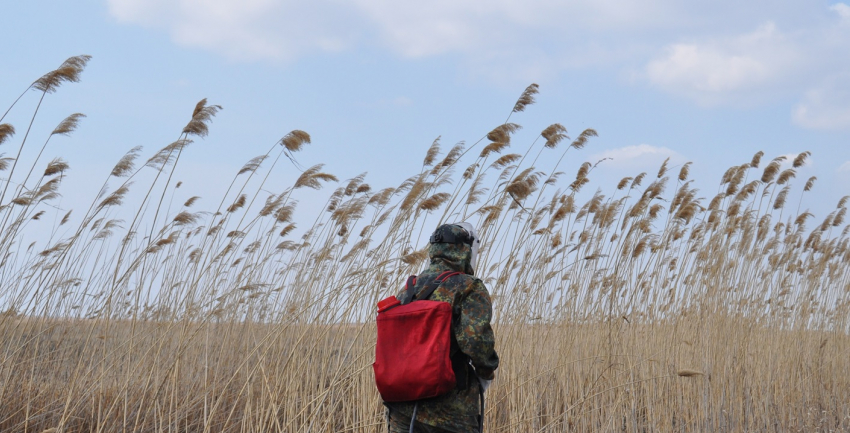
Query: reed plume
{"points": [[554, 134], [311, 178], [582, 139], [56, 166], [683, 172], [754, 163], [810, 183], [201, 117], [69, 71], [6, 132], [527, 98], [432, 153], [4, 163], [127, 163], [800, 159], [770, 172], [295, 140], [68, 125]]}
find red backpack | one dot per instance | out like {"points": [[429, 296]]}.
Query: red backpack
{"points": [[414, 340]]}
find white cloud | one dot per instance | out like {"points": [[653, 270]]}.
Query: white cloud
{"points": [[842, 10], [501, 30], [711, 53], [417, 29], [826, 107], [733, 68], [499, 40], [243, 29], [639, 157]]}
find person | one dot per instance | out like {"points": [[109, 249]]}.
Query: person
{"points": [[454, 247]]}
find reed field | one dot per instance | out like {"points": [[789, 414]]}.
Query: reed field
{"points": [[645, 306]]}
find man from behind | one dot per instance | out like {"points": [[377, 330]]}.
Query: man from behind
{"points": [[453, 252]]}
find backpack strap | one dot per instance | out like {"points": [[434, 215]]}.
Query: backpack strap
{"points": [[410, 290], [481, 415], [410, 294], [426, 293]]}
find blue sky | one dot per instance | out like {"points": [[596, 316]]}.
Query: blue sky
{"points": [[376, 81]]}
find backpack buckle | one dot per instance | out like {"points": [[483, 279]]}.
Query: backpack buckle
{"points": [[388, 303]]}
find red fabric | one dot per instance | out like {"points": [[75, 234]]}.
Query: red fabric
{"points": [[412, 353], [388, 303]]}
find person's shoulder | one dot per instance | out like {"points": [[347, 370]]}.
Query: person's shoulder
{"points": [[467, 280], [460, 276]]}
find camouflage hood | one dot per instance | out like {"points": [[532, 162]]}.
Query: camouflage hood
{"points": [[454, 256]]}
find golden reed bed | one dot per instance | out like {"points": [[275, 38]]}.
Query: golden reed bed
{"points": [[645, 306], [712, 373]]}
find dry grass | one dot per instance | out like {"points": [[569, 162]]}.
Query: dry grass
{"points": [[646, 308]]}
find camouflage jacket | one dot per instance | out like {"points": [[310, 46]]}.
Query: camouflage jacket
{"points": [[458, 410]]}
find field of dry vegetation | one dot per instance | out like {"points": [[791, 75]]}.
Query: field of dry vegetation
{"points": [[642, 307]]}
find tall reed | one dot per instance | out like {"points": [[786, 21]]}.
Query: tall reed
{"points": [[639, 307]]}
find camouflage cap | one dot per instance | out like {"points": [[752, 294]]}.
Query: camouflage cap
{"points": [[476, 243], [458, 255]]}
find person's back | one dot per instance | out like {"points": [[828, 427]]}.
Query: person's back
{"points": [[473, 351]]}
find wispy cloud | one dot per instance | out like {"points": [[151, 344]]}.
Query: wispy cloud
{"points": [[712, 55], [826, 106], [638, 157], [244, 29], [842, 10], [482, 29], [768, 63], [729, 68], [417, 29]]}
